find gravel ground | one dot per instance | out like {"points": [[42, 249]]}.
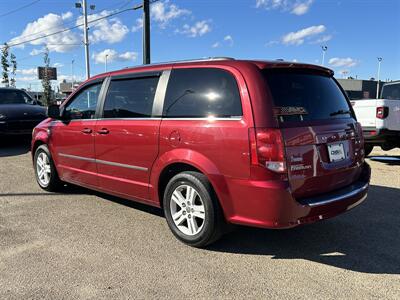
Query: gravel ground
{"points": [[91, 246]]}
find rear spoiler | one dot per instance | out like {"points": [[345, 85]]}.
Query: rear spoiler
{"points": [[289, 65]]}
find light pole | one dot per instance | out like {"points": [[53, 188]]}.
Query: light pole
{"points": [[324, 49], [72, 74], [105, 64], [146, 31], [379, 73], [83, 5]]}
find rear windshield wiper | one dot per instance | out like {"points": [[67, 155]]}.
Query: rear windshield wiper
{"points": [[340, 112]]}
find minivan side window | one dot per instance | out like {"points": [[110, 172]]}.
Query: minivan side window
{"points": [[202, 92], [130, 98], [83, 105]]}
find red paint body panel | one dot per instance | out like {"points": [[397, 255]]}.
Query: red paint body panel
{"points": [[220, 148]]}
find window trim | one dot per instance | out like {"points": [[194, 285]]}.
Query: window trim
{"points": [[158, 96], [231, 118], [89, 84]]}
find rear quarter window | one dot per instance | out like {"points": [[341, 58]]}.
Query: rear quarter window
{"points": [[202, 92], [301, 95]]}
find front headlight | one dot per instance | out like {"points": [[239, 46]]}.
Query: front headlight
{"points": [[2, 116]]}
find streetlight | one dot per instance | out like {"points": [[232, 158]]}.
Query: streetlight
{"points": [[324, 49], [83, 5], [72, 75], [105, 64], [379, 73]]}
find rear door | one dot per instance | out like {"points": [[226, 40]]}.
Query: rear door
{"points": [[323, 146], [127, 133]]}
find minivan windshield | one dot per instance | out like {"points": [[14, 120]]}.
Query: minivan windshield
{"points": [[14, 97], [305, 95]]}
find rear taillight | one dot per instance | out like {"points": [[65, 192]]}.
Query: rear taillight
{"points": [[267, 149], [382, 112]]}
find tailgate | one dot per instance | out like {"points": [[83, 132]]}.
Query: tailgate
{"points": [[365, 111], [322, 158]]}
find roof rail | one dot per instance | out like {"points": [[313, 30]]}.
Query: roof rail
{"points": [[184, 61]]}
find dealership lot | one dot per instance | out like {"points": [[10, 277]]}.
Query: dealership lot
{"points": [[83, 244]]}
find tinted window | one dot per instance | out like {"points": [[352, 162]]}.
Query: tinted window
{"points": [[302, 96], [83, 105], [14, 97], [202, 92], [130, 98], [391, 91]]}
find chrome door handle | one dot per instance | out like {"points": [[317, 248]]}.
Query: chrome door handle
{"points": [[87, 130], [103, 131]]}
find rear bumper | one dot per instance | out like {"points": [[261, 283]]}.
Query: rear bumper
{"points": [[377, 136], [271, 205]]}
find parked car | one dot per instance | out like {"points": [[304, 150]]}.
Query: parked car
{"points": [[380, 118], [269, 144], [19, 113]]}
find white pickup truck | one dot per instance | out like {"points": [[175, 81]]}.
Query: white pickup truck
{"points": [[380, 118]]}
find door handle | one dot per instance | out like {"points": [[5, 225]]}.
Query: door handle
{"points": [[103, 131], [87, 130]]}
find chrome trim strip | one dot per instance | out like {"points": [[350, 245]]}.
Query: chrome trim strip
{"points": [[104, 162], [341, 197], [204, 119], [77, 157]]}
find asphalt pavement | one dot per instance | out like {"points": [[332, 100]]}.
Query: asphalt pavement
{"points": [[84, 245]]}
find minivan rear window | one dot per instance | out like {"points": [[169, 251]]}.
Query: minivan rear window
{"points": [[303, 95]]}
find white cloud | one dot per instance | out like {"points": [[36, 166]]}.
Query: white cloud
{"points": [[66, 16], [112, 55], [138, 25], [301, 8], [229, 40], [297, 7], [58, 65], [322, 39], [105, 30], [32, 71], [200, 28], [271, 43], [50, 23], [163, 12], [36, 52], [27, 78], [343, 62], [298, 37]]}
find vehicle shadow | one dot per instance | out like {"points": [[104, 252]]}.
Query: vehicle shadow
{"points": [[389, 160], [365, 239], [14, 145]]}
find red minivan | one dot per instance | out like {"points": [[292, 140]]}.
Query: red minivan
{"points": [[213, 142]]}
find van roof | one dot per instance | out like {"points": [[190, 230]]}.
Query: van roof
{"points": [[227, 61]]}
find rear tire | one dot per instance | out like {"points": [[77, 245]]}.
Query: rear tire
{"points": [[368, 149], [192, 209], [45, 171]]}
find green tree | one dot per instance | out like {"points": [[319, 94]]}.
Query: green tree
{"points": [[13, 61], [45, 81], [5, 65]]}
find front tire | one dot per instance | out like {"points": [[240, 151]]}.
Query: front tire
{"points": [[368, 149], [45, 171], [192, 210]]}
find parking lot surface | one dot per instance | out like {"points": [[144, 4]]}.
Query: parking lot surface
{"points": [[87, 245]]}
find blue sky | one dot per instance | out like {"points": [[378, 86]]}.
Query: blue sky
{"points": [[356, 33]]}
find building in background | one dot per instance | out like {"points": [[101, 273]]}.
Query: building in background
{"points": [[360, 89]]}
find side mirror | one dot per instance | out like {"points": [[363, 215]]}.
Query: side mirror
{"points": [[53, 111]]}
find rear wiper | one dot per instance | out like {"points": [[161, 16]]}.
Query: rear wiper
{"points": [[340, 112]]}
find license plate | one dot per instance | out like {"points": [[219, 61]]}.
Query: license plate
{"points": [[336, 152]]}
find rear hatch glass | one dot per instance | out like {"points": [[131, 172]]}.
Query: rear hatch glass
{"points": [[319, 130]]}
